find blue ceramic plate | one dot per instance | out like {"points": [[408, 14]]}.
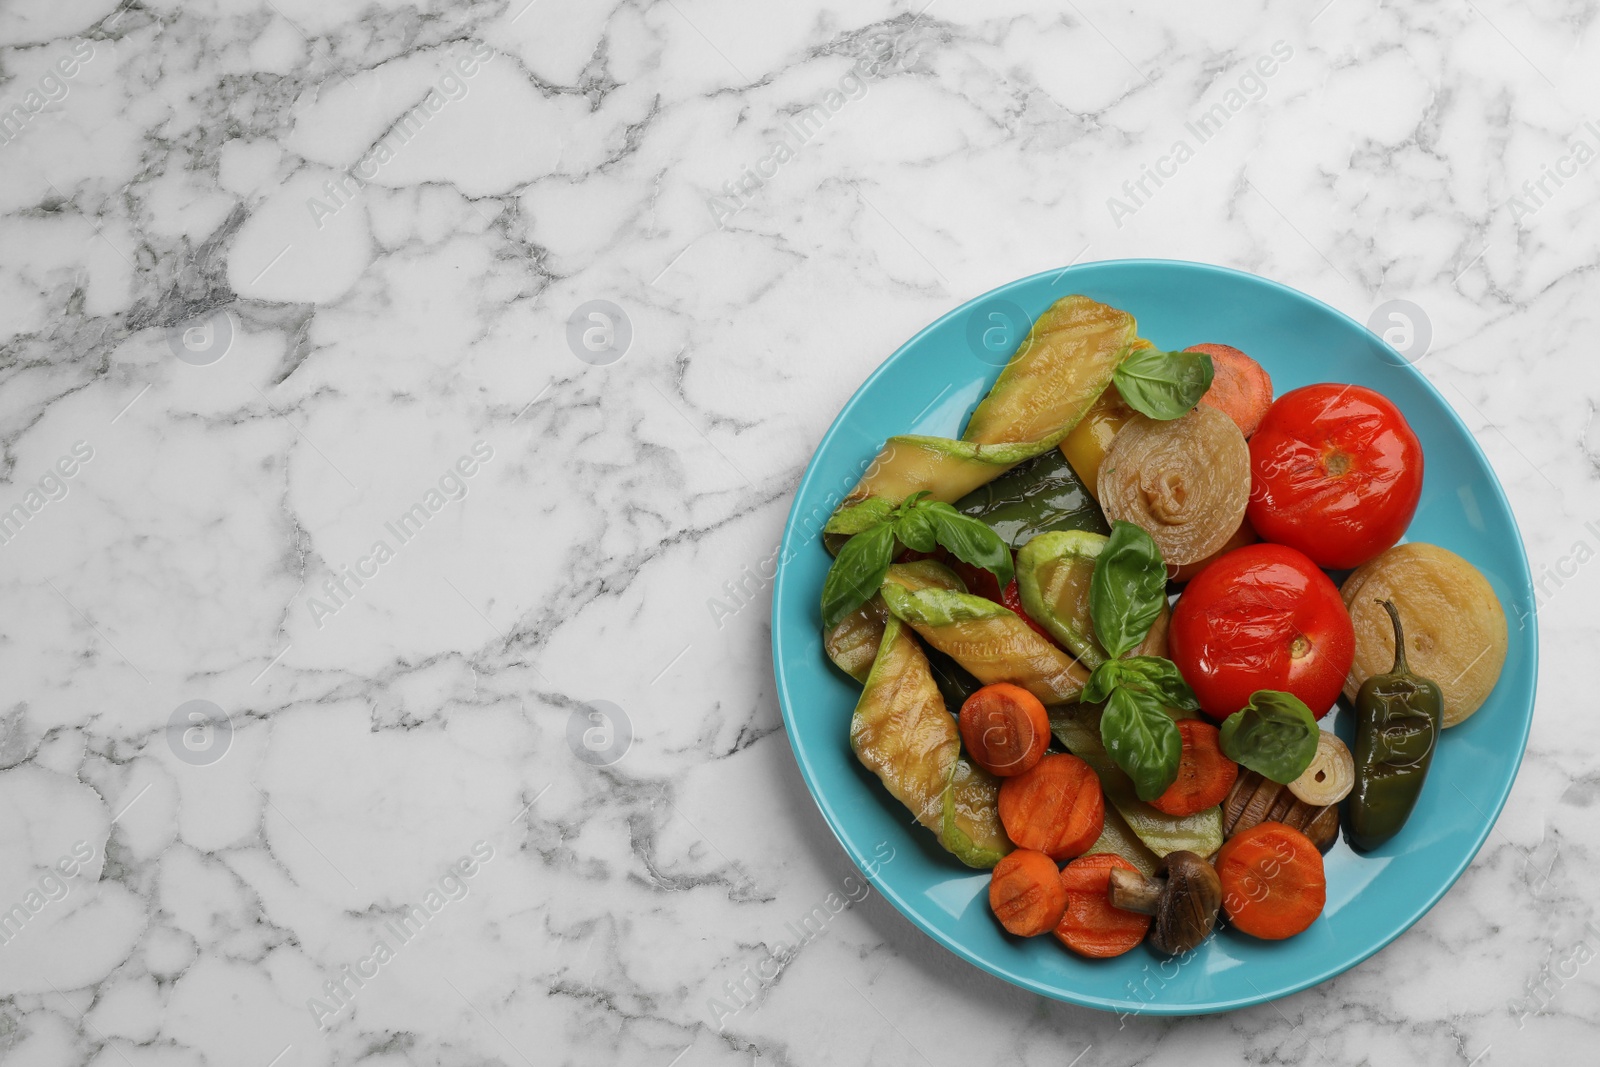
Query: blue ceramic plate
{"points": [[928, 387]]}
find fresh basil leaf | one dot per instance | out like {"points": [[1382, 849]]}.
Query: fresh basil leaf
{"points": [[1127, 588], [1102, 680], [1275, 734], [859, 518], [1161, 679], [915, 531], [1143, 740], [1147, 674], [1163, 385], [970, 540], [857, 573]]}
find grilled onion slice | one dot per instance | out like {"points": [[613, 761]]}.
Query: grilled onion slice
{"points": [[1186, 481], [1455, 627]]}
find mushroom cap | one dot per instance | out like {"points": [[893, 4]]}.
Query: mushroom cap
{"points": [[1189, 903]]}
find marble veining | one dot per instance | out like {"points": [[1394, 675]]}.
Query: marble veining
{"points": [[401, 406]]}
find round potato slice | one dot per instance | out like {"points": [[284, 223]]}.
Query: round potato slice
{"points": [[1455, 627], [1186, 481]]}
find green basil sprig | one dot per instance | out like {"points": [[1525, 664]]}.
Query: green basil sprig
{"points": [[1126, 594], [1152, 675], [1143, 739], [1127, 589], [1163, 385], [1274, 734], [919, 524]]}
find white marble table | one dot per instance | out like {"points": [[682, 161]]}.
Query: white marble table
{"points": [[285, 281]]}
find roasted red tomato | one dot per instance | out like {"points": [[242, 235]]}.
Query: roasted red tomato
{"points": [[1335, 472], [1262, 617]]}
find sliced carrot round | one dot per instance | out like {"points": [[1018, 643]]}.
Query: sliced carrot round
{"points": [[1273, 885], [1026, 894], [1056, 808], [1005, 729], [1205, 775], [1241, 388], [1091, 926]]}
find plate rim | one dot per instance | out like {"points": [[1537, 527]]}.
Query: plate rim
{"points": [[904, 907]]}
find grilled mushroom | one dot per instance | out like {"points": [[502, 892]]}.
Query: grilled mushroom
{"points": [[1255, 799], [1185, 902]]}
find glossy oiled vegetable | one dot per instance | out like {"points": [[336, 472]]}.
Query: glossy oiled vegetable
{"points": [[1086, 446], [1257, 799], [1183, 898], [1273, 884], [1004, 729], [852, 645], [1078, 729], [971, 829], [1057, 807], [1026, 893], [1053, 575], [1205, 775], [1091, 926], [1042, 494], [1185, 481], [1065, 362], [901, 731], [1455, 626], [987, 639], [1118, 839], [1398, 719]]}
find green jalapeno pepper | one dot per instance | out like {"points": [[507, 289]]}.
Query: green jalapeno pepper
{"points": [[1398, 718]]}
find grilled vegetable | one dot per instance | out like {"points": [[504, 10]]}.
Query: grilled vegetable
{"points": [[1064, 363], [1086, 446], [1185, 481], [852, 645], [1118, 840], [1331, 775], [1241, 388], [1026, 893], [971, 829], [901, 731], [1042, 494], [1056, 807], [988, 639], [1078, 729], [1273, 883], [1053, 575], [1184, 898], [1004, 729], [919, 524], [1398, 719], [1091, 926], [1455, 626], [1205, 775], [1257, 799]]}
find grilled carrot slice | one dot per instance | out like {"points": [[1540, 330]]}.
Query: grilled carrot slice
{"points": [[1056, 808], [1205, 775], [1004, 729], [1273, 885], [1090, 926], [1241, 388], [1026, 894]]}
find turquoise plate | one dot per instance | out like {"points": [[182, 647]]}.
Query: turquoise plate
{"points": [[929, 386]]}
